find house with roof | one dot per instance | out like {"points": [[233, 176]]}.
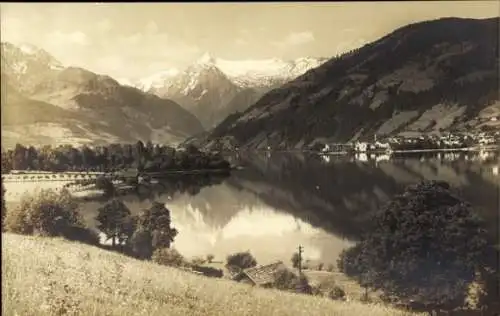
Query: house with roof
{"points": [[260, 276]]}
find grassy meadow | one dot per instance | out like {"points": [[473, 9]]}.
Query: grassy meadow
{"points": [[52, 276]]}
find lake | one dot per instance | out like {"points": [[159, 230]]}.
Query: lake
{"points": [[281, 200]]}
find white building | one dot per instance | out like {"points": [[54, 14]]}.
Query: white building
{"points": [[360, 146]]}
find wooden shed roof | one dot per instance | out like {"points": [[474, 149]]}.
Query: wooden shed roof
{"points": [[263, 274]]}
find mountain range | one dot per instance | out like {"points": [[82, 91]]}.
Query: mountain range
{"points": [[213, 88], [44, 102], [426, 77]]}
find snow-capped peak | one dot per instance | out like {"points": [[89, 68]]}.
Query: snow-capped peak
{"points": [[28, 49], [26, 58], [156, 80], [266, 71], [243, 73], [206, 58]]}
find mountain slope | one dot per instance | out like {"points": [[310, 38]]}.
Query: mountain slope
{"points": [[437, 75], [43, 104], [201, 89], [213, 88]]}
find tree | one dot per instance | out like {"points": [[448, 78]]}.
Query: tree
{"points": [[141, 243], [113, 218], [157, 221], [425, 246], [153, 230], [44, 213], [19, 161], [105, 184], [296, 260], [241, 260]]}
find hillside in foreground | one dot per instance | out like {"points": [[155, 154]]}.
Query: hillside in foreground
{"points": [[44, 276], [429, 77]]}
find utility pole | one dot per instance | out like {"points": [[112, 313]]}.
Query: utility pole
{"points": [[300, 259]]}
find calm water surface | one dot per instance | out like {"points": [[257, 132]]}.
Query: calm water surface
{"points": [[320, 202]]}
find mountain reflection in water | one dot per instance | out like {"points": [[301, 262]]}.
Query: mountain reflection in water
{"points": [[279, 201]]}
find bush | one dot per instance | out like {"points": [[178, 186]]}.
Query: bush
{"points": [[44, 213], [208, 271], [330, 267], [302, 285], [337, 293], [210, 258], [198, 261], [285, 279], [320, 266], [82, 234], [168, 257], [242, 260]]}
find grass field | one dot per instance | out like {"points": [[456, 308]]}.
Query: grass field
{"points": [[51, 276]]}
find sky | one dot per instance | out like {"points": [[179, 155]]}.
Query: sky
{"points": [[135, 40]]}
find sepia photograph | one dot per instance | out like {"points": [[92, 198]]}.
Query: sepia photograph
{"points": [[250, 158]]}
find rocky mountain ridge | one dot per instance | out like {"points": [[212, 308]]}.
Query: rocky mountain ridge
{"points": [[44, 102], [212, 88]]}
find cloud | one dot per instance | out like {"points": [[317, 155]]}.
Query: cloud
{"points": [[63, 38], [150, 48], [295, 39]]}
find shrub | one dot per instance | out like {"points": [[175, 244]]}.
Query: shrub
{"points": [[302, 285], [168, 257], [242, 260], [210, 258], [208, 271], [337, 293], [198, 261], [320, 266], [285, 279], [44, 213], [82, 234]]}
